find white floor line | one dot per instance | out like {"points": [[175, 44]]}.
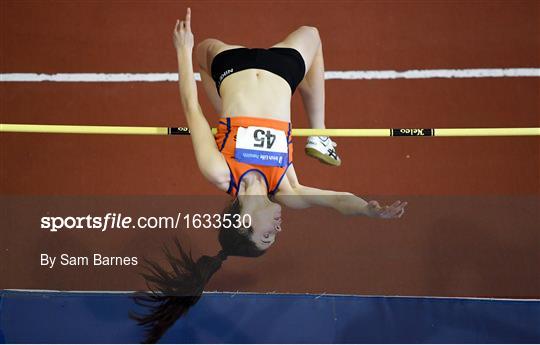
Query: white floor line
{"points": [[329, 75]]}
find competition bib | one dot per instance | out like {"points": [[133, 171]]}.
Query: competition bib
{"points": [[261, 146]]}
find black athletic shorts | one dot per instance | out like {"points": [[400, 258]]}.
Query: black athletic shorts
{"points": [[284, 62]]}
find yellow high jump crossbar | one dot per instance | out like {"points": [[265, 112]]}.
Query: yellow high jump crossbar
{"points": [[299, 132]]}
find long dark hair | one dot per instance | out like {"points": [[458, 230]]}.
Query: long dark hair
{"points": [[173, 292]]}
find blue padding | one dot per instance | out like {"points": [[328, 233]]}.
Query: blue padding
{"points": [[34, 317]]}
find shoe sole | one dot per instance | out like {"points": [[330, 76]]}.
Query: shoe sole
{"points": [[322, 157]]}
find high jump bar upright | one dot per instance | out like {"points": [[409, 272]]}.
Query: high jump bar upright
{"points": [[299, 132]]}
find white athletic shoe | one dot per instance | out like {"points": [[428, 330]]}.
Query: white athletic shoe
{"points": [[324, 149]]}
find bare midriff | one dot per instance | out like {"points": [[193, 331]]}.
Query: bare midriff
{"points": [[256, 93]]}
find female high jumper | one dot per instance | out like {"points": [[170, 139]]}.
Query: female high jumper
{"points": [[250, 157]]}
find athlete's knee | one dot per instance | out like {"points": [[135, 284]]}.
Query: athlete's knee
{"points": [[311, 30], [201, 52], [203, 45], [205, 42], [310, 35]]}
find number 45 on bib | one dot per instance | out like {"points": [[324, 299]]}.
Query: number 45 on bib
{"points": [[261, 146]]}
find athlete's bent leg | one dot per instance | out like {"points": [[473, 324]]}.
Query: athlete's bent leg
{"points": [[204, 56], [205, 53], [307, 41]]}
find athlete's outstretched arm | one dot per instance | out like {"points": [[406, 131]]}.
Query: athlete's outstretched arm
{"points": [[210, 161], [293, 194]]}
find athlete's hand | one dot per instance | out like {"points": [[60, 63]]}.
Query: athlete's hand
{"points": [[182, 35], [396, 210]]}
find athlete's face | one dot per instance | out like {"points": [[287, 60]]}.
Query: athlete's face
{"points": [[266, 223]]}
